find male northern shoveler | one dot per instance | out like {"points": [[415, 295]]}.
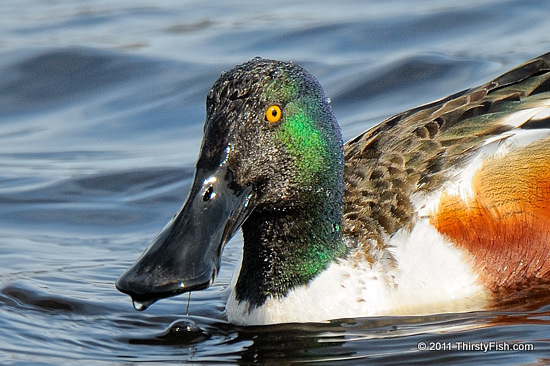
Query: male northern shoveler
{"points": [[443, 208]]}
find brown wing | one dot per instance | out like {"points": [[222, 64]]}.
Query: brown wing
{"points": [[412, 152]]}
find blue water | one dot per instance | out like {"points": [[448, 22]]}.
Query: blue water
{"points": [[101, 112]]}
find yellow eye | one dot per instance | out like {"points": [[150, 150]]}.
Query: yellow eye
{"points": [[273, 114]]}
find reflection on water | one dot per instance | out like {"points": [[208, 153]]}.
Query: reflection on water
{"points": [[101, 112], [387, 340]]}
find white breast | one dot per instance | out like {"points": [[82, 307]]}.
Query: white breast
{"points": [[432, 277]]}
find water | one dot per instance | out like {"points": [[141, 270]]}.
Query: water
{"points": [[101, 112]]}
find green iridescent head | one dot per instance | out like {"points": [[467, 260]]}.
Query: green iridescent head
{"points": [[272, 163], [278, 135], [296, 150]]}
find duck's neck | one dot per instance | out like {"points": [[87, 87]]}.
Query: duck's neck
{"points": [[286, 247]]}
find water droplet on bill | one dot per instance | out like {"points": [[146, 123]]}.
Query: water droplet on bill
{"points": [[142, 305]]}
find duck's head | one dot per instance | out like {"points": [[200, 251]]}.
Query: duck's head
{"points": [[271, 145]]}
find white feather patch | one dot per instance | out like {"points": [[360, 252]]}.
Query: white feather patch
{"points": [[432, 277]]}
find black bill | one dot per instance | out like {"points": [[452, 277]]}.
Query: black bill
{"points": [[185, 256]]}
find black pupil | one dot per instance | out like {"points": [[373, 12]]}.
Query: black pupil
{"points": [[274, 112]]}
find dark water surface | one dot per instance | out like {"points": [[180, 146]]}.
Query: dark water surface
{"points": [[101, 111]]}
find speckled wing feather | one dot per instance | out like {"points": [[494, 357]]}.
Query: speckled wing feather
{"points": [[413, 152]]}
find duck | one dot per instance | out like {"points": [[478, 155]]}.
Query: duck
{"points": [[442, 208]]}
